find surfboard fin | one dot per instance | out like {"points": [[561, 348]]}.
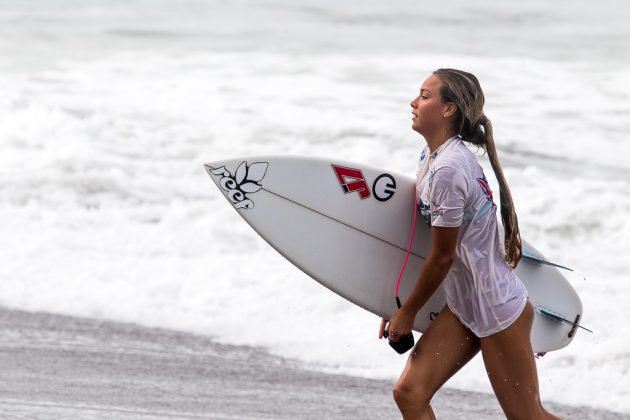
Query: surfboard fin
{"points": [[541, 261], [548, 313]]}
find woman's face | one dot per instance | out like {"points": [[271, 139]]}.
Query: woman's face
{"points": [[430, 113]]}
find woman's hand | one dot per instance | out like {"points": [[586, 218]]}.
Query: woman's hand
{"points": [[401, 324]]}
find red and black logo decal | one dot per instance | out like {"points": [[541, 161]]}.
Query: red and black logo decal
{"points": [[352, 180]]}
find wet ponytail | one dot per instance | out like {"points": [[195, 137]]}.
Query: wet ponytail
{"points": [[464, 90], [512, 239]]}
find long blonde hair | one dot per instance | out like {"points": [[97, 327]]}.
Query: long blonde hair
{"points": [[463, 89]]}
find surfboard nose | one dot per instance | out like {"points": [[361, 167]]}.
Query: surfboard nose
{"points": [[213, 165], [247, 173], [217, 168]]}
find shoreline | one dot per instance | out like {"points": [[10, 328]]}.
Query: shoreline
{"points": [[57, 366]]}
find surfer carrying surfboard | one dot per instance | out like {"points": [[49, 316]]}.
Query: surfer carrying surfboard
{"points": [[487, 306]]}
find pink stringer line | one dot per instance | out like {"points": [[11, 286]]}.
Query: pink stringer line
{"points": [[413, 231]]}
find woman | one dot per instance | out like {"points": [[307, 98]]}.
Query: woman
{"points": [[487, 307]]}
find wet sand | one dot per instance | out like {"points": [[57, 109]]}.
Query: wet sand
{"points": [[59, 367]]}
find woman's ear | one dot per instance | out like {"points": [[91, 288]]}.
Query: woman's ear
{"points": [[449, 110]]}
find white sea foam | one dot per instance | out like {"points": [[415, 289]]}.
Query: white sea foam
{"points": [[106, 211]]}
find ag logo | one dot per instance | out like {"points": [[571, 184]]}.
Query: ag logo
{"points": [[352, 180]]}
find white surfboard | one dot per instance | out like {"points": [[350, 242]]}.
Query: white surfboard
{"points": [[348, 225]]}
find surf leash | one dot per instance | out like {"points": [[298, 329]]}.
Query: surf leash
{"points": [[413, 231], [405, 342]]}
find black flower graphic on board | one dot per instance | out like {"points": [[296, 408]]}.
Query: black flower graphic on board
{"points": [[245, 181]]}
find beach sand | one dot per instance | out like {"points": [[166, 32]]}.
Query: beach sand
{"points": [[60, 367]]}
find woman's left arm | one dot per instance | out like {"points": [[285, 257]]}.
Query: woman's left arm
{"points": [[434, 270]]}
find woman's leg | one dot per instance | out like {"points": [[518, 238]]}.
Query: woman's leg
{"points": [[510, 364], [442, 350]]}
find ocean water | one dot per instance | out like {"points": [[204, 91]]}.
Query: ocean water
{"points": [[109, 110]]}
